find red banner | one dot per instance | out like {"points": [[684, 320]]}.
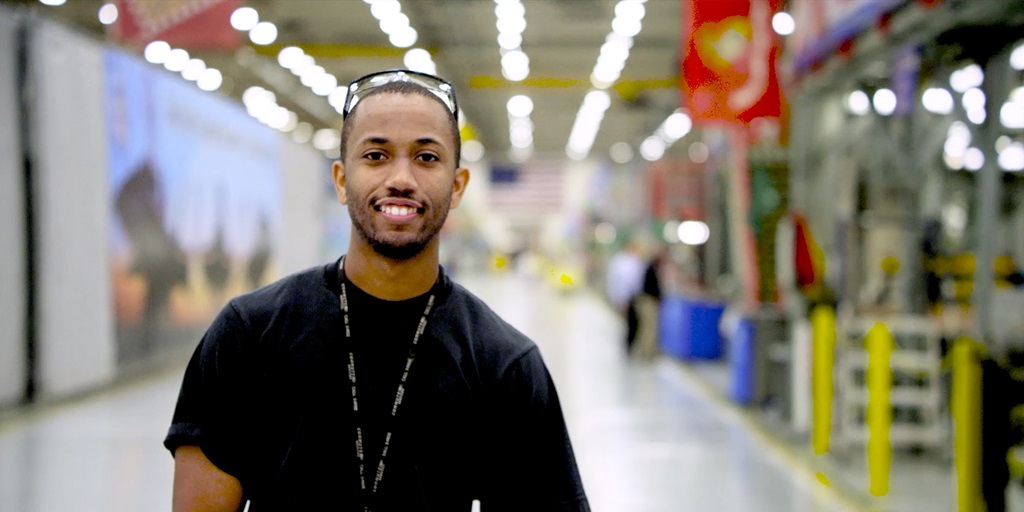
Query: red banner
{"points": [[188, 24], [729, 56]]}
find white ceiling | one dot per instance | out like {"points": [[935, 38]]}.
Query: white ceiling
{"points": [[562, 40]]}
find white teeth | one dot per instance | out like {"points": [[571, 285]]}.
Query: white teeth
{"points": [[393, 209]]}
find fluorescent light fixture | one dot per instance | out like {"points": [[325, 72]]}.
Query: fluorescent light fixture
{"points": [[244, 19], [211, 80], [263, 33], [783, 23], [176, 60], [157, 52], [937, 100], [108, 14], [884, 101], [858, 103]]}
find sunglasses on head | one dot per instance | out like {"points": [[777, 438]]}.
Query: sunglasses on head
{"points": [[362, 86]]}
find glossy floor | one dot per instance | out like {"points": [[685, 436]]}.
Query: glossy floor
{"points": [[649, 437]]}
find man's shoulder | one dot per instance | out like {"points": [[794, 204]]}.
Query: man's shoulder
{"points": [[297, 289], [469, 319]]}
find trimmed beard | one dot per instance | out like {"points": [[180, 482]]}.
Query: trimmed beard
{"points": [[363, 223]]}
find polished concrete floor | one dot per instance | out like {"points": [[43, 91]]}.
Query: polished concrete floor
{"points": [[649, 437]]}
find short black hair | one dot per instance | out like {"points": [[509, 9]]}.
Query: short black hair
{"points": [[404, 88]]}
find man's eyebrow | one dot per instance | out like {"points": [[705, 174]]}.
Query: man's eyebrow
{"points": [[376, 140], [423, 141]]}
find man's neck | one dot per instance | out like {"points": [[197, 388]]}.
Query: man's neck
{"points": [[390, 279]]}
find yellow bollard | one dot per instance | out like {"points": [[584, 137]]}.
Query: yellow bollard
{"points": [[823, 329], [880, 345], [966, 404]]}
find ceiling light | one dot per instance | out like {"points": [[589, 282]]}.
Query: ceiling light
{"points": [[884, 101], [621, 152], [404, 38], [394, 23], [514, 25], [1011, 114], [677, 126], [694, 232], [193, 70], [337, 97], [603, 77], [326, 138], [974, 159], [324, 85], [970, 76], [52, 2], [472, 151], [515, 65], [418, 59], [310, 75], [108, 14], [176, 60], [630, 9], [244, 18], [289, 56], [937, 100], [698, 152], [263, 33], [973, 99], [381, 9], [211, 80], [670, 231], [256, 96], [1012, 158], [510, 40], [626, 27], [302, 133], [301, 64], [858, 103], [605, 233], [652, 148], [510, 10], [519, 105], [1017, 58], [783, 23], [156, 52]]}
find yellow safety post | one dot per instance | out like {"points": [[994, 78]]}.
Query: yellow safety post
{"points": [[880, 345], [823, 329], [966, 402]]}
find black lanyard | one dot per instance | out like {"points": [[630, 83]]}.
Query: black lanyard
{"points": [[399, 393]]}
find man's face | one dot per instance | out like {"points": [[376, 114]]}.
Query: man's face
{"points": [[399, 177]]}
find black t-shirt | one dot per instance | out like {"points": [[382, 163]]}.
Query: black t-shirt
{"points": [[267, 397]]}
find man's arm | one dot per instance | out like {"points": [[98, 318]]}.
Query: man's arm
{"points": [[199, 486]]}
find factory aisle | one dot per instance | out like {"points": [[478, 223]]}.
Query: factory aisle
{"points": [[648, 436]]}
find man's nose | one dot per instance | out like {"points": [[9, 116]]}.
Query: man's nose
{"points": [[400, 175]]}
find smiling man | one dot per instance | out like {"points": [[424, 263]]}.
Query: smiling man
{"points": [[375, 382]]}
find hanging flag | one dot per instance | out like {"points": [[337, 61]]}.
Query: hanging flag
{"points": [[187, 24], [729, 53], [531, 189]]}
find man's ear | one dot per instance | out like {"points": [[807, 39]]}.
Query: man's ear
{"points": [[459, 186], [338, 170]]}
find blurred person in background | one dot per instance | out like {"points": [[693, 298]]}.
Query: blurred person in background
{"points": [[375, 382], [648, 302], [625, 281]]}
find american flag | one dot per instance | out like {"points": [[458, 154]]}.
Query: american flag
{"points": [[531, 189]]}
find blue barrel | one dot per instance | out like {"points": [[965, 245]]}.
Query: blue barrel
{"points": [[741, 361], [689, 327]]}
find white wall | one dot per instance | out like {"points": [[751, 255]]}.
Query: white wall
{"points": [[74, 316], [12, 222], [304, 176]]}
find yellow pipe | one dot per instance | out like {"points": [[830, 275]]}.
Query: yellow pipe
{"points": [[966, 404], [880, 344], [823, 329]]}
